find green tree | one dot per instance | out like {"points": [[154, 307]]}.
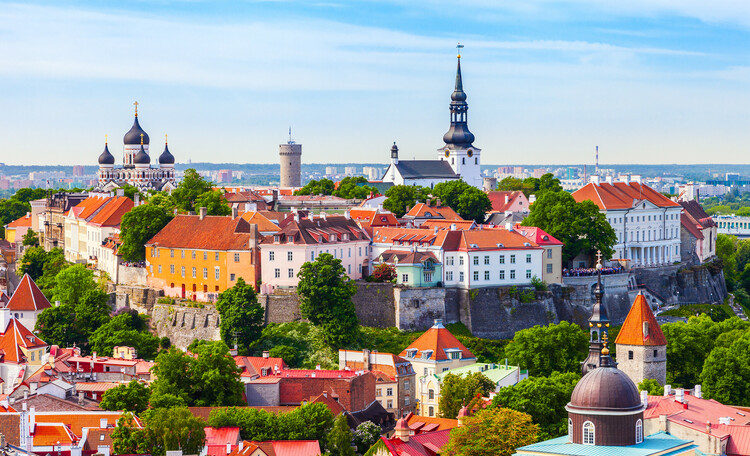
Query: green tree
{"points": [[10, 210], [132, 397], [241, 315], [163, 200], [33, 261], [214, 202], [365, 436], [189, 189], [651, 386], [57, 326], [511, 183], [468, 201], [73, 283], [383, 272], [339, 441], [126, 437], [138, 226], [325, 293], [321, 187], [169, 429], [25, 195], [458, 390], [726, 373], [579, 226], [547, 182], [351, 188], [285, 352], [403, 197], [120, 330], [545, 349], [544, 398], [172, 371], [31, 238], [491, 432], [726, 247]]}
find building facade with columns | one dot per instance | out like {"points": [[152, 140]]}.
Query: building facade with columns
{"points": [[646, 222]]}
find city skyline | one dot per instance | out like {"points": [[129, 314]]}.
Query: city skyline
{"points": [[649, 82]]}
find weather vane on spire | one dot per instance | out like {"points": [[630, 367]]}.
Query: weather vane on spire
{"points": [[136, 108], [459, 46]]}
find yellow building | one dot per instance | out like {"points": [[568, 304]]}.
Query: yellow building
{"points": [[199, 256]]}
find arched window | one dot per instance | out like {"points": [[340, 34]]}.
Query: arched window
{"points": [[588, 433], [570, 430], [638, 431]]}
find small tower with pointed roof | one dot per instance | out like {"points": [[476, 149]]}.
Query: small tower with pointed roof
{"points": [[598, 324], [641, 345]]}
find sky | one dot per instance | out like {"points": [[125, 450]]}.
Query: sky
{"points": [[648, 81]]}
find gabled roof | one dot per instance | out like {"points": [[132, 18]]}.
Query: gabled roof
{"points": [[21, 222], [264, 224], [211, 233], [695, 210], [319, 230], [620, 195], [419, 423], [4, 299], [14, 338], [48, 434], [449, 224], [28, 297], [420, 169], [222, 435], [537, 235], [254, 365], [418, 258], [424, 444], [435, 341], [499, 204], [422, 210], [632, 331], [447, 239], [111, 214], [88, 207], [691, 225], [494, 239], [78, 420], [290, 447]]}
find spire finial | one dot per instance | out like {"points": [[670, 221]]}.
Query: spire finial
{"points": [[105, 140], [141, 139], [136, 108], [459, 46], [605, 338], [166, 137]]}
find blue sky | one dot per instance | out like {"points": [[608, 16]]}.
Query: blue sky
{"points": [[649, 81]]}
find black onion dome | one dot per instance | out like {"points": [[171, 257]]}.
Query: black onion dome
{"points": [[106, 158], [166, 157], [134, 135], [459, 135], [141, 157], [605, 389]]}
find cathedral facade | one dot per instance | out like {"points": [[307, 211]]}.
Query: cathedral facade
{"points": [[136, 169]]}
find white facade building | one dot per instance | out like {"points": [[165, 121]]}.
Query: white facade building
{"points": [[647, 223]]}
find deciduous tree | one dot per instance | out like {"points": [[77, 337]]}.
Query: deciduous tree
{"points": [[354, 188], [132, 397], [138, 226], [121, 330], [403, 197], [339, 441], [189, 189], [651, 386], [458, 390], [545, 349], [366, 435], [491, 432], [214, 202], [325, 293], [314, 187], [469, 202], [31, 238], [241, 315], [726, 373]]}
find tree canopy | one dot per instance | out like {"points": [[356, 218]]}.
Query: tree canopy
{"points": [[189, 189], [400, 198], [125, 328], [545, 349], [314, 187], [31, 238], [214, 202], [138, 226], [325, 293], [530, 185], [469, 202], [350, 188], [579, 226], [491, 432], [165, 429], [457, 390], [241, 315], [339, 440], [131, 397], [11, 209]]}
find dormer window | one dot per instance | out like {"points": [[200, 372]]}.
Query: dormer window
{"points": [[290, 239], [426, 354], [277, 239], [411, 353]]}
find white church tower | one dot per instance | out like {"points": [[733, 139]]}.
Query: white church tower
{"points": [[459, 150]]}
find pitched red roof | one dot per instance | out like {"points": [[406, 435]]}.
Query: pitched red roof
{"points": [[537, 235], [695, 210], [111, 214], [254, 365], [28, 297], [222, 436], [437, 340], [422, 210], [425, 444], [211, 233], [691, 225], [632, 331], [494, 239], [450, 224], [319, 230], [620, 195], [23, 221], [16, 336], [89, 206], [499, 203]]}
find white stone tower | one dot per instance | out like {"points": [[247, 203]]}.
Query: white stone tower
{"points": [[290, 158]]}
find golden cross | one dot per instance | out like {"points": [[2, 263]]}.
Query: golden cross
{"points": [[598, 257], [136, 108], [141, 139], [604, 338]]}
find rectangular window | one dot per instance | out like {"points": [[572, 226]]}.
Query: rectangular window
{"points": [[502, 259], [182, 271], [171, 269], [512, 259], [450, 261], [231, 277], [406, 402], [528, 258], [216, 272], [428, 277], [350, 252], [159, 269], [389, 391], [205, 256], [486, 275], [486, 259], [379, 392], [291, 273], [406, 385], [289, 256], [460, 261], [476, 260], [216, 256], [461, 276], [171, 253], [271, 256], [502, 274], [549, 269], [405, 278], [205, 273], [195, 272], [630, 354], [512, 274], [236, 257], [360, 251], [349, 269], [390, 404], [182, 254], [192, 254], [528, 273], [449, 276], [277, 273], [312, 256], [455, 355], [476, 276]]}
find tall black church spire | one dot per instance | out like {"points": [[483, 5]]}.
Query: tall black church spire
{"points": [[598, 324], [459, 136]]}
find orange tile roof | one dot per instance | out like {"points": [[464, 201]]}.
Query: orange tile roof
{"points": [[112, 213], [410, 236], [78, 420], [247, 449], [448, 224], [211, 233], [422, 210], [632, 332], [499, 204], [23, 221], [16, 336], [437, 339], [28, 296], [416, 422], [264, 224], [51, 434], [89, 206], [620, 195]]}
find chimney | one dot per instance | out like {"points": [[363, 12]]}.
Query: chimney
{"points": [[57, 303], [323, 215], [175, 211], [80, 398], [609, 178], [317, 367], [233, 350], [663, 423], [75, 450], [366, 359], [462, 414], [595, 180], [506, 198], [708, 427], [679, 394], [253, 242], [453, 227], [235, 212], [509, 226], [435, 230], [4, 318], [698, 392], [32, 419], [103, 423], [685, 404], [667, 390], [203, 211], [722, 420], [439, 203], [644, 398], [347, 215], [402, 430], [93, 356], [408, 208], [266, 354], [229, 447], [136, 199], [427, 202], [296, 216]]}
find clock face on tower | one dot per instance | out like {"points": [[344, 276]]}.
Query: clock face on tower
{"points": [[447, 153], [470, 152]]}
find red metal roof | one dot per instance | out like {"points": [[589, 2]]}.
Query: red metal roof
{"points": [[222, 436], [28, 296], [427, 444], [296, 448]]}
